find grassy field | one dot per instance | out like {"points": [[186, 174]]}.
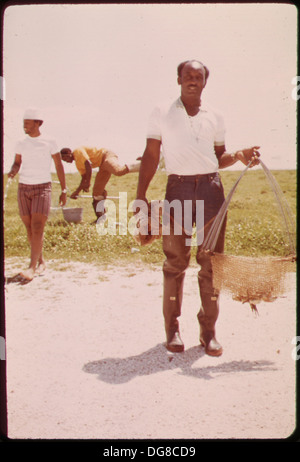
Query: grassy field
{"points": [[254, 226]]}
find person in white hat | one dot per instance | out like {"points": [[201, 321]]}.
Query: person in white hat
{"points": [[33, 159]]}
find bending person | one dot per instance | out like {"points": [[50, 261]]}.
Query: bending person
{"points": [[87, 158]]}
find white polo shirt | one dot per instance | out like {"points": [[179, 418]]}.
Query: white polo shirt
{"points": [[36, 155], [187, 142]]}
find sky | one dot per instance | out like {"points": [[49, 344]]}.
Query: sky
{"points": [[97, 70]]}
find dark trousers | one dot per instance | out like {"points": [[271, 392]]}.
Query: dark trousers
{"points": [[186, 190]]}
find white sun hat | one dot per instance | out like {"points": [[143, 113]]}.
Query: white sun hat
{"points": [[33, 113]]}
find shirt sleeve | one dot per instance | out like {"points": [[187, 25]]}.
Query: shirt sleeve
{"points": [[154, 125], [220, 131], [80, 156], [53, 148]]}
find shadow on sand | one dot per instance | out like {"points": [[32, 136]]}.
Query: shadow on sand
{"points": [[157, 359]]}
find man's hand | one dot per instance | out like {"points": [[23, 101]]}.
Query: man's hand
{"points": [[12, 173], [62, 199], [247, 155], [142, 212], [75, 194]]}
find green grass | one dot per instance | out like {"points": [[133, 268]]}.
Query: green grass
{"points": [[254, 226]]}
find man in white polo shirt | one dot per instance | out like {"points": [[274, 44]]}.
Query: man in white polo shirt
{"points": [[192, 137]]}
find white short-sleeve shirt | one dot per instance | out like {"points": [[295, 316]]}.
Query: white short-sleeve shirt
{"points": [[36, 153], [187, 142]]}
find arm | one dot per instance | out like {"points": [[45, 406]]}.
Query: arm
{"points": [[15, 166], [61, 176], [226, 159], [85, 180], [148, 167]]}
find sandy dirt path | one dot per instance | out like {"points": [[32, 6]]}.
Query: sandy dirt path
{"points": [[86, 360]]}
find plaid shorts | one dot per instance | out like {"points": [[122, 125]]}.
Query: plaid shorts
{"points": [[34, 198]]}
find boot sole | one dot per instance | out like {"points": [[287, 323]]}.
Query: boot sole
{"points": [[218, 352], [175, 348]]}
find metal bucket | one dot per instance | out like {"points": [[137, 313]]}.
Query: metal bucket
{"points": [[72, 215]]}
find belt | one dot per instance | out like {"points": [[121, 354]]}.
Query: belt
{"points": [[193, 177]]}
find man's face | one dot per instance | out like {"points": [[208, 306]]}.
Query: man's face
{"points": [[192, 79], [67, 156], [30, 126]]}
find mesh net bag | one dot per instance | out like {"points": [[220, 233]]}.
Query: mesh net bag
{"points": [[253, 279]]}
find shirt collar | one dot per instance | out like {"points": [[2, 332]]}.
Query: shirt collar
{"points": [[179, 103]]}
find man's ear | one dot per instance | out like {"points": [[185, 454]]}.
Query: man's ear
{"points": [[179, 80]]}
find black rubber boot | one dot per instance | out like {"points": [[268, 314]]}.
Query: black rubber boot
{"points": [[99, 208], [207, 318]]}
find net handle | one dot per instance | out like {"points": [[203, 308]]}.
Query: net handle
{"points": [[284, 208], [211, 239]]}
